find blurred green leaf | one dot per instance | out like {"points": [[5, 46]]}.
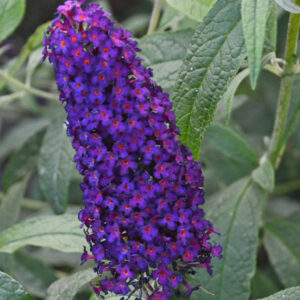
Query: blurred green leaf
{"points": [[281, 240], [205, 74], [67, 287], [94, 297], [288, 294], [61, 233], [254, 18], [32, 273], [163, 52], [289, 5], [18, 135], [22, 162], [173, 19], [229, 94], [33, 61], [104, 4], [55, 165], [10, 206], [194, 9], [11, 14], [34, 41], [264, 175], [232, 145], [263, 285], [137, 23], [236, 213], [219, 170], [11, 289], [271, 33]]}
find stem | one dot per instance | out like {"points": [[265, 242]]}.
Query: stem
{"points": [[285, 90], [287, 187], [28, 89], [9, 98], [155, 16], [30, 203]]}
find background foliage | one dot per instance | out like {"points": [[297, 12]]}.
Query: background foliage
{"points": [[221, 62]]}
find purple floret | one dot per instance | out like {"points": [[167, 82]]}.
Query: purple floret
{"points": [[142, 188]]}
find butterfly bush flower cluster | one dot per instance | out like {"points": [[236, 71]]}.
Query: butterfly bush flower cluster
{"points": [[142, 188]]}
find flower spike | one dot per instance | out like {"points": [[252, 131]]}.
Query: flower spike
{"points": [[142, 188]]}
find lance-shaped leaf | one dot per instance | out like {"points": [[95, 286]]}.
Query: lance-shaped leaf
{"points": [[271, 32], [32, 43], [11, 14], [195, 9], [19, 134], [233, 146], [254, 18], [12, 289], [55, 165], [22, 162], [61, 233], [213, 58], [289, 5], [163, 52], [282, 243], [11, 202], [236, 213], [67, 287], [292, 293], [264, 175], [32, 273]]}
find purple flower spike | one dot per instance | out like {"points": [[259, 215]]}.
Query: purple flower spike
{"points": [[142, 189]]}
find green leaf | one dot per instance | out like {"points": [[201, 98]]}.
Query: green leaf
{"points": [[264, 175], [137, 23], [263, 284], [67, 287], [10, 206], [61, 233], [232, 146], [229, 94], [271, 33], [254, 18], [236, 213], [288, 294], [227, 100], [173, 20], [94, 297], [163, 52], [194, 9], [281, 240], [55, 165], [11, 14], [22, 162], [289, 5], [34, 275], [34, 41], [11, 289], [213, 58], [16, 137], [33, 61]]}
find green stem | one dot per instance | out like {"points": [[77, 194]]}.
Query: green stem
{"points": [[155, 16], [30, 203], [285, 90], [29, 89], [287, 187], [9, 98]]}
